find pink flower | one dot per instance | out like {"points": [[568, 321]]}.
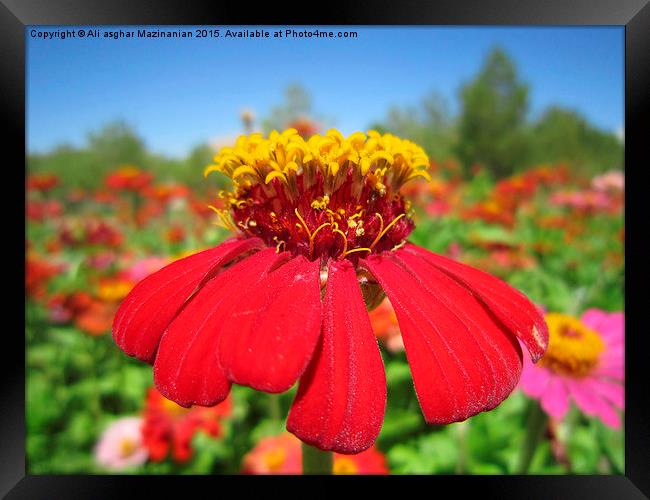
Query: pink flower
{"points": [[584, 363], [613, 181], [120, 446], [144, 267]]}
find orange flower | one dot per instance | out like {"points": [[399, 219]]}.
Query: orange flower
{"points": [[97, 318], [283, 455], [384, 324]]}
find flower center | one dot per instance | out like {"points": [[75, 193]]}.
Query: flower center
{"points": [[344, 465], [326, 197], [127, 447], [274, 459], [573, 348]]}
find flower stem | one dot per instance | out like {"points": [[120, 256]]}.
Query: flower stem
{"points": [[315, 461], [274, 406], [461, 434], [535, 426]]}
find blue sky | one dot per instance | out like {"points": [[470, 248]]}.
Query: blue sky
{"points": [[177, 93]]}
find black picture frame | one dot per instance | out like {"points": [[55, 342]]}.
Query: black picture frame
{"points": [[15, 15]]}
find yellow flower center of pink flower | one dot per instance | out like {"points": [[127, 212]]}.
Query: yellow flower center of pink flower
{"points": [[275, 458], [573, 348], [344, 465], [126, 447]]}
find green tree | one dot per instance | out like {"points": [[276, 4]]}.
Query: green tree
{"points": [[491, 126], [564, 135], [116, 143], [297, 105], [428, 124]]}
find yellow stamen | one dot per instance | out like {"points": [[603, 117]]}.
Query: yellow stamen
{"points": [[313, 235], [381, 229], [304, 224], [280, 243], [399, 245], [357, 250], [386, 229], [345, 241]]}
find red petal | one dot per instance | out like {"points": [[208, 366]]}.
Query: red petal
{"points": [[152, 304], [187, 368], [341, 399], [271, 335], [509, 305], [462, 361]]}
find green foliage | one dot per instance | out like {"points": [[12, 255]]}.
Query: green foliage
{"points": [[492, 117], [492, 128], [563, 135], [428, 124], [112, 146]]}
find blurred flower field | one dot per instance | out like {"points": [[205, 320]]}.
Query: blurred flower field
{"points": [[554, 233]]}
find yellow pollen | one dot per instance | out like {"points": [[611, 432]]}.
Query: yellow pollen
{"points": [[320, 203], [573, 349], [344, 465]]}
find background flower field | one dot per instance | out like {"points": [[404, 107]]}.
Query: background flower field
{"points": [[538, 203]]}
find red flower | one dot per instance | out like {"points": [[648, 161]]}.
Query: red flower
{"points": [[38, 272], [324, 231], [41, 210], [128, 178], [170, 426], [42, 182], [175, 234], [166, 192], [305, 126]]}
